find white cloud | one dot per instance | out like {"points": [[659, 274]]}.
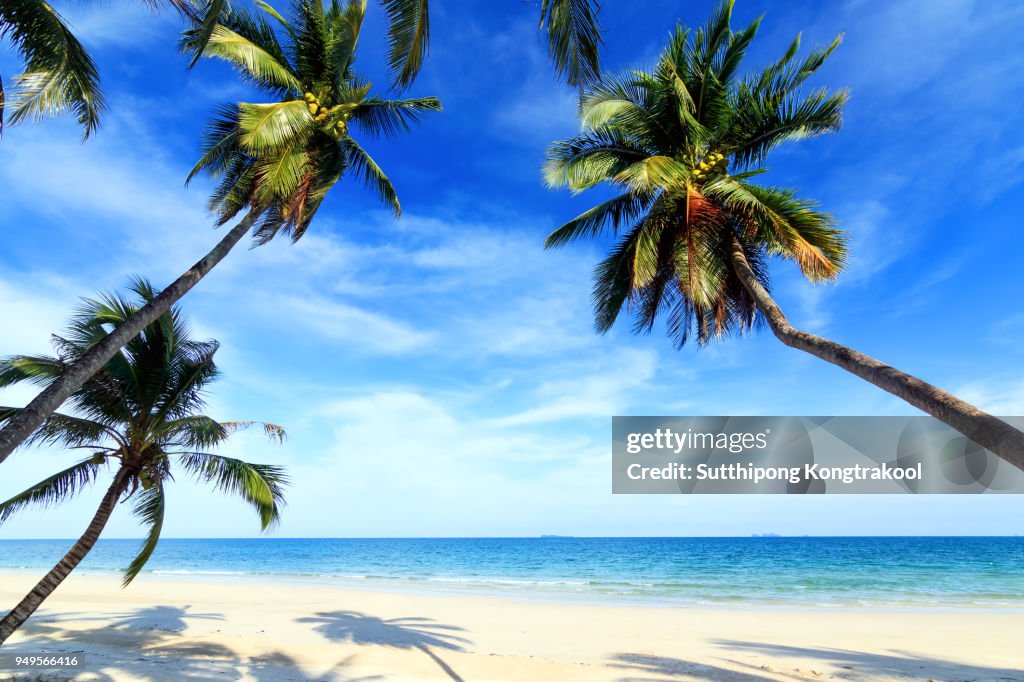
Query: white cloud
{"points": [[367, 331], [588, 391], [1001, 398], [119, 25]]}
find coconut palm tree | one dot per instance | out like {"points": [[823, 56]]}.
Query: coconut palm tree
{"points": [[276, 160], [682, 144], [139, 417], [60, 75]]}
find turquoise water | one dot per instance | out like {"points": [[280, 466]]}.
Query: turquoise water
{"points": [[871, 572]]}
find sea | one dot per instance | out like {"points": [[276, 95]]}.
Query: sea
{"points": [[870, 572]]}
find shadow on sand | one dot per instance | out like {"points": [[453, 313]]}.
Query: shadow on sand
{"points": [[849, 665], [647, 668], [905, 665], [147, 644], [424, 634]]}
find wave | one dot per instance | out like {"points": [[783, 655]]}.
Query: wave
{"points": [[186, 571]]}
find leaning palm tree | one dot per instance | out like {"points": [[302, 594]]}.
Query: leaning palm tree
{"points": [[276, 160], [682, 144], [138, 416]]}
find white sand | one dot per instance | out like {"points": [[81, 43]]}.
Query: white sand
{"points": [[160, 629]]}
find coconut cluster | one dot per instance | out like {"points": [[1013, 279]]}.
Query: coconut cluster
{"points": [[321, 112], [713, 163]]}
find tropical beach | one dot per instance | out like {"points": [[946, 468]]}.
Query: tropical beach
{"points": [[351, 340], [190, 629]]}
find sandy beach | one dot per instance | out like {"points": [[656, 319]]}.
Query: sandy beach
{"points": [[173, 629]]}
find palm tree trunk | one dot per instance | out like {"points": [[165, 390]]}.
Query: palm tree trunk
{"points": [[43, 405], [981, 427], [45, 587]]}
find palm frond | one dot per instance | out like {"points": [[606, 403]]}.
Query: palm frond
{"points": [[261, 485], [408, 39], [279, 175], [625, 208], [574, 39], [272, 431], [759, 125], [273, 126], [209, 14], [385, 118], [37, 369], [590, 158], [220, 143], [64, 430], [372, 176], [256, 61], [149, 508], [50, 491], [344, 24], [59, 74], [613, 282], [789, 227]]}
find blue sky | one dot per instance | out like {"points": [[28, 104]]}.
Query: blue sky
{"points": [[439, 376]]}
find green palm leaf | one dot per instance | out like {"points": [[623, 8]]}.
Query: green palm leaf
{"points": [[59, 74], [58, 488], [196, 40], [273, 126], [386, 118], [574, 39], [372, 176], [261, 485], [256, 61], [624, 208], [408, 38], [149, 507]]}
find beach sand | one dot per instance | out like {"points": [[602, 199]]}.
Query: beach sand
{"points": [[174, 629]]}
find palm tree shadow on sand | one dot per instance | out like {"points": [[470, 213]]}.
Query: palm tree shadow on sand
{"points": [[862, 665], [424, 634], [150, 644], [648, 668], [162, 618]]}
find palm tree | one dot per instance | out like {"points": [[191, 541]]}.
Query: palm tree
{"points": [[681, 145], [60, 75], [573, 34], [140, 413], [276, 161]]}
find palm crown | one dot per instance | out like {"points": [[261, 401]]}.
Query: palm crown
{"points": [[142, 413], [282, 158], [681, 143]]}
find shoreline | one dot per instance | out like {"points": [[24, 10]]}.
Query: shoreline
{"points": [[523, 592], [163, 628]]}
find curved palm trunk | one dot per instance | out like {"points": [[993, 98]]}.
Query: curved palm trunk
{"points": [[43, 405], [45, 587], [978, 425]]}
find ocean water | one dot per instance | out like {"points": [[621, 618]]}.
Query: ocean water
{"points": [[869, 572]]}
